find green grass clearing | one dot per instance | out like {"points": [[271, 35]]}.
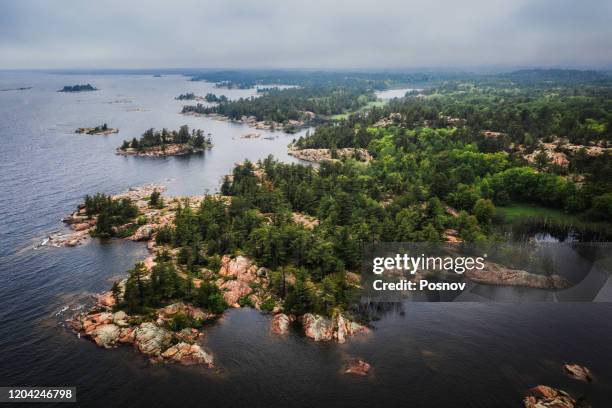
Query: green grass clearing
{"points": [[517, 211]]}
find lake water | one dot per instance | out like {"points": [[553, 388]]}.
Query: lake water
{"points": [[423, 354]]}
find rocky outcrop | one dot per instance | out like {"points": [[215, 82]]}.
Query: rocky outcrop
{"points": [[166, 313], [281, 323], [239, 267], [578, 372], [358, 367], [233, 290], [151, 340], [320, 328], [306, 220], [319, 155], [105, 299], [495, 274], [188, 354], [105, 329], [106, 335], [143, 233], [543, 396], [239, 274]]}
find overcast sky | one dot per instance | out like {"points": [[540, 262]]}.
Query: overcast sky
{"points": [[323, 34]]}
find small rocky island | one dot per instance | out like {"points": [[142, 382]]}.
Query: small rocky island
{"points": [[189, 96], [78, 88], [159, 143], [98, 130]]}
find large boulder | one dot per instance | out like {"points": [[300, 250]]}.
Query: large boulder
{"points": [[281, 323], [346, 328], [317, 327], [106, 335], [233, 290], [151, 339], [240, 268], [320, 328], [90, 322], [188, 354], [543, 396], [126, 335]]}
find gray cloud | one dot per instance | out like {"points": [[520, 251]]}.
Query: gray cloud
{"points": [[306, 34]]}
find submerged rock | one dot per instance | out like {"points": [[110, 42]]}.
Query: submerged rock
{"points": [[358, 367], [578, 372], [543, 396]]}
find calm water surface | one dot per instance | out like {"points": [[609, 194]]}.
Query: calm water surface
{"points": [[423, 354]]}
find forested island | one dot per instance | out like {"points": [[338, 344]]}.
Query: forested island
{"points": [[314, 98], [78, 88], [189, 96], [166, 143], [460, 162], [98, 130], [287, 109]]}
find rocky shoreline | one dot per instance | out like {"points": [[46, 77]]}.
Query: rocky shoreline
{"points": [[241, 282], [151, 338], [173, 149], [82, 226], [495, 274]]}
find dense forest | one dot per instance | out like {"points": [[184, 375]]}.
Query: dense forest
{"points": [[153, 138], [282, 105], [306, 79], [110, 213], [210, 97], [445, 165]]}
